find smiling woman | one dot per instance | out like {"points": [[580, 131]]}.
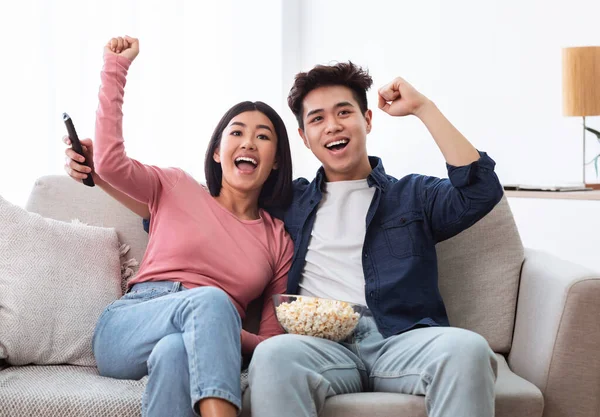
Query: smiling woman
{"points": [[186, 303], [249, 150]]}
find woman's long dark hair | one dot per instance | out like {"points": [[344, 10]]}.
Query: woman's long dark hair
{"points": [[277, 190]]}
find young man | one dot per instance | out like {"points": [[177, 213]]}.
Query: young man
{"points": [[366, 237]]}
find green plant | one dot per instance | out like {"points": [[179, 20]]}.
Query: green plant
{"points": [[595, 159]]}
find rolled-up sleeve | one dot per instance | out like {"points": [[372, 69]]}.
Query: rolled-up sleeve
{"points": [[469, 193]]}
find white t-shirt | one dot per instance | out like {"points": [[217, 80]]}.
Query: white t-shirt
{"points": [[333, 267]]}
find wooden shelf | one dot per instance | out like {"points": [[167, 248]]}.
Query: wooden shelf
{"points": [[557, 195]]}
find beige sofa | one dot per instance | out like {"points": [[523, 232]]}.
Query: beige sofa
{"points": [[539, 313]]}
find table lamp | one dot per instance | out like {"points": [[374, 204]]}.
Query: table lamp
{"points": [[581, 95]]}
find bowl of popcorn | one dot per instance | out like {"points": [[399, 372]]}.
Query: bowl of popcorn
{"points": [[319, 317]]}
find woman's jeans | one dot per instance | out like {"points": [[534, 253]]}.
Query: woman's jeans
{"points": [[186, 341]]}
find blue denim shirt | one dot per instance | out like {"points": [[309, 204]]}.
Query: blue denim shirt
{"points": [[405, 220]]}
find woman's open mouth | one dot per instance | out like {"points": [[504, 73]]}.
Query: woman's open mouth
{"points": [[245, 164]]}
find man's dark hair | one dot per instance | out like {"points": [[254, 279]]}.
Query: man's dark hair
{"points": [[277, 190], [344, 73]]}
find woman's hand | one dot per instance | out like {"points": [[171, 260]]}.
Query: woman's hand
{"points": [[127, 47], [74, 166]]}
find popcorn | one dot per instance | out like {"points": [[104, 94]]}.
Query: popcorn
{"points": [[328, 319]]}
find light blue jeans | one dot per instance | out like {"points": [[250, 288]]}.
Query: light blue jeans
{"points": [[187, 342], [454, 369]]}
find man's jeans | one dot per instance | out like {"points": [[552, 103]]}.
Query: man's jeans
{"points": [[187, 342], [454, 369]]}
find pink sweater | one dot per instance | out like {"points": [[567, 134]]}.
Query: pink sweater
{"points": [[193, 239]]}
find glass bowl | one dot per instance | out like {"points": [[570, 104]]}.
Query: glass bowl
{"points": [[319, 317]]}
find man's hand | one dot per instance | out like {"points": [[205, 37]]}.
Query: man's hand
{"points": [[399, 98], [74, 162], [127, 47]]}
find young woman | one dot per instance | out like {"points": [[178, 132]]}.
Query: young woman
{"points": [[211, 251]]}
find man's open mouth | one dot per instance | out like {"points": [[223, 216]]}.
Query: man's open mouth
{"points": [[337, 145]]}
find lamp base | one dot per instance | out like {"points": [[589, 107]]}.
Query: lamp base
{"points": [[593, 186]]}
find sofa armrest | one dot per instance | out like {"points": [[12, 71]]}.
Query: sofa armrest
{"points": [[556, 344]]}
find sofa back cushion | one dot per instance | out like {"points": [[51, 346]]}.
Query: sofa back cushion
{"points": [[479, 272], [59, 197]]}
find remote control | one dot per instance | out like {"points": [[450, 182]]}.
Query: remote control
{"points": [[76, 144]]}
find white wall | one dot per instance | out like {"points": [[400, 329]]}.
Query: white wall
{"points": [[494, 69]]}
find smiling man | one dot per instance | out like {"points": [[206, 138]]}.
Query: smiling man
{"points": [[363, 236]]}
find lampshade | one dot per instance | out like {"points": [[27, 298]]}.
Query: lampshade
{"points": [[581, 81]]}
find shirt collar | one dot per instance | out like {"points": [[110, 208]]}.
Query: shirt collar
{"points": [[377, 177]]}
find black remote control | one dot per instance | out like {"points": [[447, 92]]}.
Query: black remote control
{"points": [[76, 144]]}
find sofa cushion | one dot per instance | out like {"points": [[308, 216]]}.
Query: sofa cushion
{"points": [[59, 197], [515, 397], [479, 272], [70, 391], [67, 391], [55, 280]]}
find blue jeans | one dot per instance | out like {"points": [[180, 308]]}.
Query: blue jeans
{"points": [[187, 342], [454, 369]]}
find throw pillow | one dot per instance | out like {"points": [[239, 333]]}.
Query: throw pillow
{"points": [[56, 278]]}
